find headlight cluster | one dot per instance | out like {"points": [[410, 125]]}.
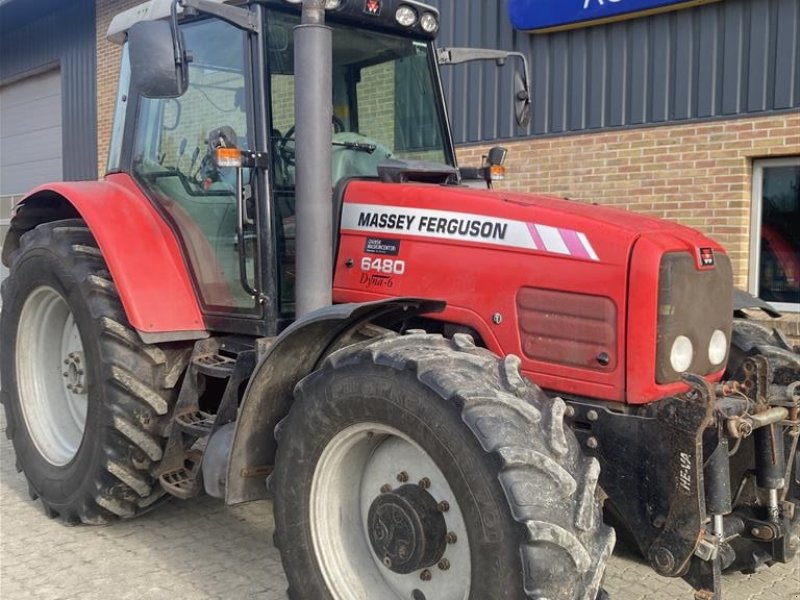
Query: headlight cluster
{"points": [[695, 310], [681, 354], [407, 16]]}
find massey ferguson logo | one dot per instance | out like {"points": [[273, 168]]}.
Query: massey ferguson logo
{"points": [[372, 7], [707, 257]]}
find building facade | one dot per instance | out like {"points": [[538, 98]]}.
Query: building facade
{"points": [[690, 114]]}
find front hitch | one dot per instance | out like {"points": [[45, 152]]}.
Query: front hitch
{"points": [[677, 474]]}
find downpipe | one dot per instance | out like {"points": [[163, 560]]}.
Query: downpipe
{"points": [[313, 136]]}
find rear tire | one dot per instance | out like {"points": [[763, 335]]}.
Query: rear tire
{"points": [[118, 391], [392, 412]]}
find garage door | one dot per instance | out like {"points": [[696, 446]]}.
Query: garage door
{"points": [[30, 132], [30, 138]]}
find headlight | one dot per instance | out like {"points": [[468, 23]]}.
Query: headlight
{"points": [[429, 23], [406, 16], [717, 347], [681, 354]]}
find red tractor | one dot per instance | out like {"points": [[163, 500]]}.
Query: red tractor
{"points": [[283, 288]]}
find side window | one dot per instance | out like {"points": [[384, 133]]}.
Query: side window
{"points": [[775, 233], [173, 151]]}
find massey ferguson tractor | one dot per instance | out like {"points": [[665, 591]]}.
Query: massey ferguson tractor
{"points": [[284, 288]]}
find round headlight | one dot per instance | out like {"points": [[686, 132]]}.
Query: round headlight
{"points": [[717, 347], [682, 353], [406, 16], [429, 23]]}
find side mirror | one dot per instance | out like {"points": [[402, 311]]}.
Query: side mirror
{"points": [[159, 67], [522, 98], [522, 94]]}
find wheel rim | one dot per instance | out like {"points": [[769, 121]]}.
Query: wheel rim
{"points": [[51, 368], [351, 477]]}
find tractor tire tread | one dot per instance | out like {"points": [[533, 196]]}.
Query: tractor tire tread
{"points": [[138, 384], [505, 412]]}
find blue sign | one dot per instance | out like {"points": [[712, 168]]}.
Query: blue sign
{"points": [[548, 15]]}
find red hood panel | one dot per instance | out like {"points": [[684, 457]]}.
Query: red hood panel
{"points": [[513, 220], [479, 250]]}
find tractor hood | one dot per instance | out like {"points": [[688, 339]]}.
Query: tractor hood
{"points": [[522, 222], [555, 282]]}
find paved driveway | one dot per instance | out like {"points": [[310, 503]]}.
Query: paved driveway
{"points": [[202, 550]]}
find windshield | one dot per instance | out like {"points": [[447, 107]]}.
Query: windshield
{"points": [[385, 99]]}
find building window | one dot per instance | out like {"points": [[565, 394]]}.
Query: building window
{"points": [[775, 233]]}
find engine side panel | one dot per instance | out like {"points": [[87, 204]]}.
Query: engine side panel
{"points": [[142, 253]]}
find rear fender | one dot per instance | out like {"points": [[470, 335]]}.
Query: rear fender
{"points": [[270, 393], [142, 253]]}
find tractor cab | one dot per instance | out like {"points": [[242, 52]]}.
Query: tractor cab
{"points": [[239, 95]]}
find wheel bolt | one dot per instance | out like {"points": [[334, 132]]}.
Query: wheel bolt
{"points": [[66, 361], [80, 371], [425, 575], [388, 562], [402, 477], [443, 506], [386, 488], [77, 359], [451, 538], [65, 374], [424, 483], [70, 387], [444, 564], [592, 442]]}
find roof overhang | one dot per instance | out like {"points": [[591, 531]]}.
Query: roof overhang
{"points": [[147, 11]]}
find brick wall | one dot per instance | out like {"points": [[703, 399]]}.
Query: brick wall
{"points": [[696, 174], [108, 57]]}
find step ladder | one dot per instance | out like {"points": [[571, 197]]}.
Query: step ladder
{"points": [[217, 364]]}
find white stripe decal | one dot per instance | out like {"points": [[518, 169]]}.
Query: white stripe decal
{"points": [[552, 239], [587, 245], [449, 225]]}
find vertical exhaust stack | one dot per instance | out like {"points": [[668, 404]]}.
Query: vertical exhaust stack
{"points": [[313, 113]]}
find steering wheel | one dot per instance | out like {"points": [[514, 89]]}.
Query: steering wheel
{"points": [[286, 144]]}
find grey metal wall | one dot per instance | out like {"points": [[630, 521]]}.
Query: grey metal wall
{"points": [[728, 58], [64, 34]]}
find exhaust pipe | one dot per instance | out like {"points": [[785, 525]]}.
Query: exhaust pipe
{"points": [[313, 113]]}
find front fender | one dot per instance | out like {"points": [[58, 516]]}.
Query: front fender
{"points": [[141, 251], [269, 395]]}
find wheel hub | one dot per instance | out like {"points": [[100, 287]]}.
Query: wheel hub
{"points": [[73, 372], [406, 529]]}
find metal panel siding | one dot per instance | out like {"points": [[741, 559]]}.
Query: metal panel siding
{"points": [[722, 59], [64, 38]]}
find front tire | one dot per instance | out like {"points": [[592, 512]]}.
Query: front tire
{"points": [[417, 467], [86, 401]]}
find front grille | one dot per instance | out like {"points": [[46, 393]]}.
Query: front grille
{"points": [[692, 303]]}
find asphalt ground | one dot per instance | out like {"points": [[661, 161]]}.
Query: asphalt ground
{"points": [[202, 550]]}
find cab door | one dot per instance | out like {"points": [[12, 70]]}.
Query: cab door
{"points": [[172, 159]]}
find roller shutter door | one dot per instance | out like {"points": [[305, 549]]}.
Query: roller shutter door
{"points": [[30, 138]]}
